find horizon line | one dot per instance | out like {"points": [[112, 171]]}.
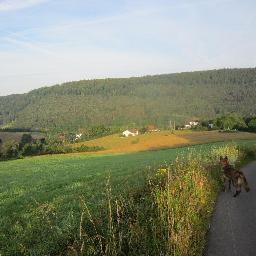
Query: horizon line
{"points": [[128, 77]]}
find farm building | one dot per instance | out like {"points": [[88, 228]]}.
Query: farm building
{"points": [[194, 123], [78, 136], [210, 125], [187, 126], [191, 124], [131, 132], [151, 128]]}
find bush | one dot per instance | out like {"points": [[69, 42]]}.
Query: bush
{"points": [[60, 148], [25, 139], [252, 125], [231, 121], [84, 148], [10, 149], [32, 149], [248, 153]]}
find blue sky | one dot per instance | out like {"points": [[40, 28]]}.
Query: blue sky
{"points": [[44, 42]]}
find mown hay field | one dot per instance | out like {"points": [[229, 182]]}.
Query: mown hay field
{"points": [[41, 197], [163, 139]]}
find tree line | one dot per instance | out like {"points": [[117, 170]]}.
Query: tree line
{"points": [[29, 146], [231, 121]]}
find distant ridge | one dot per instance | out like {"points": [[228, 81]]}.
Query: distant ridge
{"points": [[136, 100]]}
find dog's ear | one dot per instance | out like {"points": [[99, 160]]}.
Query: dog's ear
{"points": [[226, 158], [221, 157]]}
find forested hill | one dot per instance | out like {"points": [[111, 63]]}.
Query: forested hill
{"points": [[140, 100]]}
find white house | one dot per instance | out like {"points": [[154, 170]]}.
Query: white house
{"points": [[211, 125], [78, 136], [191, 124], [194, 123], [131, 132]]}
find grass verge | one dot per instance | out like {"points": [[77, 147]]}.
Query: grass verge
{"points": [[168, 216]]}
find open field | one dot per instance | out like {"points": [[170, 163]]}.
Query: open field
{"points": [[164, 139], [32, 188], [40, 196]]}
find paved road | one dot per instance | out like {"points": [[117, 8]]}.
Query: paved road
{"points": [[233, 226]]}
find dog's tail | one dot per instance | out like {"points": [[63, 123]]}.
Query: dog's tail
{"points": [[245, 183]]}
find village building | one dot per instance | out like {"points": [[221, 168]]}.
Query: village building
{"points": [[130, 132], [191, 124], [78, 136], [194, 123], [151, 128], [210, 125]]}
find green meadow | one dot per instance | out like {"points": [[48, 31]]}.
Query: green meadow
{"points": [[40, 197]]}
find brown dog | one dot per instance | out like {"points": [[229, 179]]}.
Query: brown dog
{"points": [[233, 176]]}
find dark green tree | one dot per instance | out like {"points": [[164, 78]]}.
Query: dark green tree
{"points": [[252, 125], [231, 121], [10, 149], [25, 139]]}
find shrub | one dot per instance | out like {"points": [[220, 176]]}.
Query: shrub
{"points": [[84, 148], [247, 153], [25, 139], [10, 149], [252, 125]]}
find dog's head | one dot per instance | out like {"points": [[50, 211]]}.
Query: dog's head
{"points": [[224, 161]]}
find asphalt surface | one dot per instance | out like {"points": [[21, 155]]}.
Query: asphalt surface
{"points": [[233, 225]]}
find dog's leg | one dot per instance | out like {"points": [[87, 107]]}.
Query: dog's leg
{"points": [[238, 187], [224, 183], [237, 193]]}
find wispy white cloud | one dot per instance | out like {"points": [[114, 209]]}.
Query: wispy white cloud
{"points": [[9, 5], [27, 44], [141, 38]]}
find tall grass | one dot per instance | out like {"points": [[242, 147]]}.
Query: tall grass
{"points": [[63, 205], [168, 216]]}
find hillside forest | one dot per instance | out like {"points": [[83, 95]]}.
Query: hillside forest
{"points": [[135, 101]]}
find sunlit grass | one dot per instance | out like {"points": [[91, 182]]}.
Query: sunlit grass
{"points": [[40, 197], [163, 139], [169, 215]]}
